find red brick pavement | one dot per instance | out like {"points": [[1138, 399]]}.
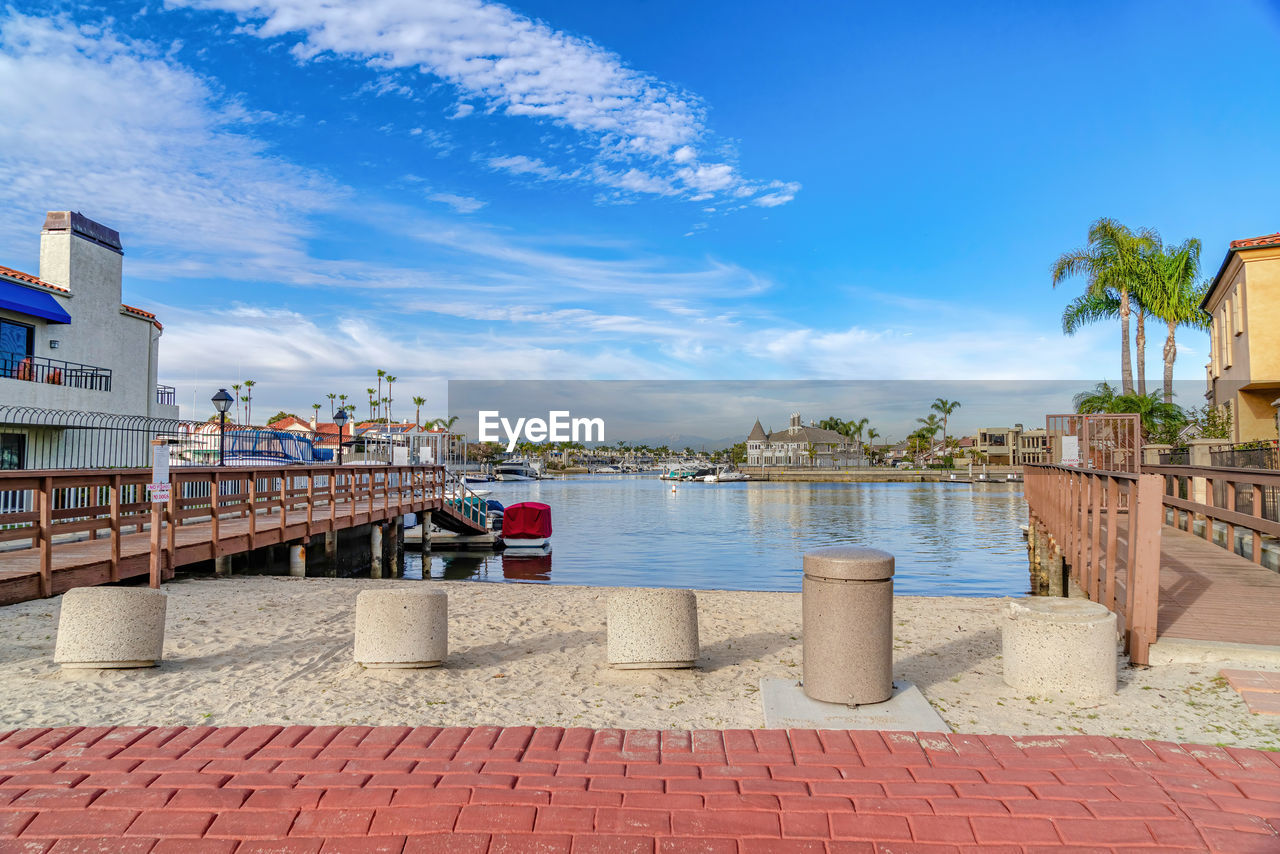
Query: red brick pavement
{"points": [[520, 789]]}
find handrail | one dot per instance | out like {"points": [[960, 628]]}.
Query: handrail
{"points": [[1216, 496], [40, 369], [1079, 514], [46, 505]]}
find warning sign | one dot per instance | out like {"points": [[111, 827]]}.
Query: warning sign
{"points": [[159, 492]]}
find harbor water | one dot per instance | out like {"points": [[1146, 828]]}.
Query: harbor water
{"points": [[949, 539]]}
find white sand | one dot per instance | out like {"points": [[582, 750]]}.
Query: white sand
{"points": [[269, 650]]}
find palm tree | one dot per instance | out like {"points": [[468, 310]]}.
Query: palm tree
{"points": [[929, 428], [316, 407], [235, 390], [853, 429], [872, 435], [332, 397], [1157, 416], [342, 404], [944, 408], [390, 380], [446, 423], [381, 374], [1112, 263], [418, 403], [248, 401], [1170, 293], [369, 391]]}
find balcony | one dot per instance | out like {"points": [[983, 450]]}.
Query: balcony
{"points": [[166, 395], [38, 369]]}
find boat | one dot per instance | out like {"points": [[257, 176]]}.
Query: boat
{"points": [[726, 475], [526, 525], [606, 470], [476, 477], [515, 470]]}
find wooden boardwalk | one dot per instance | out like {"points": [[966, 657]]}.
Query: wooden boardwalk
{"points": [[1209, 593], [257, 508]]}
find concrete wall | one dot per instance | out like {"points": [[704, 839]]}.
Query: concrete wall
{"points": [[101, 333]]}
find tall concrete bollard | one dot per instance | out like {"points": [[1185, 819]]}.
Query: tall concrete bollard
{"points": [[848, 625]]}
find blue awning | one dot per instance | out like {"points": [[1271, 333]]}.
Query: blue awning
{"points": [[34, 303]]}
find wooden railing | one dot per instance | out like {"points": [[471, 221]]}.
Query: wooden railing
{"points": [[46, 505], [1106, 525], [1237, 498]]}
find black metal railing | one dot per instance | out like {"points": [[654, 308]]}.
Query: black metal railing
{"points": [[1175, 457], [1262, 454], [166, 395], [38, 369]]}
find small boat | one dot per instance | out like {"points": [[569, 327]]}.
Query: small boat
{"points": [[515, 470], [726, 475], [526, 525]]}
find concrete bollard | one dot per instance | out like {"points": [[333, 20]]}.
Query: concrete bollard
{"points": [[110, 627], [298, 560], [847, 611], [1067, 646], [402, 627], [651, 629]]}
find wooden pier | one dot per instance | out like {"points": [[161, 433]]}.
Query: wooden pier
{"points": [[1129, 542], [92, 527]]}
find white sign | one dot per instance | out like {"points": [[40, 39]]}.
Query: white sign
{"points": [[1070, 451], [159, 492], [159, 461]]}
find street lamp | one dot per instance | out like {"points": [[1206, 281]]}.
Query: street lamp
{"points": [[222, 402], [340, 418]]}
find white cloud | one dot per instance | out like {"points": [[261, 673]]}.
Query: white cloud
{"points": [[461, 204], [461, 111], [514, 65], [112, 128]]}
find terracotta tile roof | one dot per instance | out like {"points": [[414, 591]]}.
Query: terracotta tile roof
{"points": [[145, 315], [1254, 242], [29, 279]]}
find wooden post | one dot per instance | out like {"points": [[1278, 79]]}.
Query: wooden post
{"points": [[1146, 520], [45, 536], [253, 510], [115, 527], [1113, 540], [1257, 514]]}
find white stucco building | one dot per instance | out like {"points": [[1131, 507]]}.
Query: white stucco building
{"points": [[68, 342], [798, 445]]}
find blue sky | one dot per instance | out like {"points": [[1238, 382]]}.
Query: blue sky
{"points": [[648, 190]]}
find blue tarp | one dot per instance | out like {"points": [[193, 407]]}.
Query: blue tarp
{"points": [[14, 297]]}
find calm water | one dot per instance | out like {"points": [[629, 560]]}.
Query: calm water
{"points": [[949, 539]]}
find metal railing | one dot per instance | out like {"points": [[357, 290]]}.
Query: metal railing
{"points": [[166, 395], [1175, 457], [38, 369], [1263, 454]]}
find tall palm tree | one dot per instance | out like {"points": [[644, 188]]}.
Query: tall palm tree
{"points": [[369, 392], [235, 390], [1112, 262], [332, 397], [872, 435], [316, 407], [342, 403], [248, 401], [1170, 293], [390, 380], [381, 374], [929, 427], [944, 408], [418, 403]]}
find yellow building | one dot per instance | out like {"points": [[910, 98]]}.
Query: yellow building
{"points": [[1244, 361]]}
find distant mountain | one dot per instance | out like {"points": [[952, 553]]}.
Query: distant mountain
{"points": [[679, 441]]}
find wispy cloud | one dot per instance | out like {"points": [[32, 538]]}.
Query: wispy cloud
{"points": [[461, 204], [648, 136], [114, 128]]}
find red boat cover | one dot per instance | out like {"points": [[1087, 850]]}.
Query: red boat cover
{"points": [[526, 520]]}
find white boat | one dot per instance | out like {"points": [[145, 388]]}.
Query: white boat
{"points": [[606, 470], [515, 470], [727, 475]]}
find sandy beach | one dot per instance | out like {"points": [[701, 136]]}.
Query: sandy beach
{"points": [[271, 650]]}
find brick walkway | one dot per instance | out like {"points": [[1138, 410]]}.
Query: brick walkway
{"points": [[363, 789]]}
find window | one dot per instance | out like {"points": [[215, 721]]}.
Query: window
{"points": [[17, 342], [13, 451], [1237, 318]]}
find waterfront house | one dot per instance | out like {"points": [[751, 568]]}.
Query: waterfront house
{"points": [[1244, 348], [801, 446], [68, 342]]}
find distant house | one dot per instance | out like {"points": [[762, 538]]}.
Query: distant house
{"points": [[68, 343], [801, 446], [1244, 361]]}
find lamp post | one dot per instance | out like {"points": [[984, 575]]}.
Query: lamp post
{"points": [[222, 402], [340, 418]]}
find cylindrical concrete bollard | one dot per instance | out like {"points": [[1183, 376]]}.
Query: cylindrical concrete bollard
{"points": [[848, 625], [650, 629], [1067, 646], [110, 627], [402, 627], [298, 560]]}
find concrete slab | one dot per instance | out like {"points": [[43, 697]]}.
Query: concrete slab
{"points": [[787, 707]]}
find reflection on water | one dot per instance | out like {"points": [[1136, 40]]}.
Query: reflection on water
{"points": [[949, 539]]}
